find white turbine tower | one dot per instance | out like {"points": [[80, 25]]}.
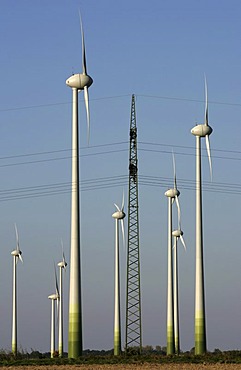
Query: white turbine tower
{"points": [[172, 195], [54, 298], [201, 130], [119, 215], [78, 82], [17, 254], [62, 266], [177, 234]]}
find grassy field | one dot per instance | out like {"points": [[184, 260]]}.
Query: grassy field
{"points": [[186, 361], [144, 366]]}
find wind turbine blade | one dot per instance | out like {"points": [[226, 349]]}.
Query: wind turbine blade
{"points": [[56, 282], [178, 211], [174, 245], [20, 257], [183, 242], [123, 201], [86, 98], [174, 170], [206, 102], [83, 46], [209, 156], [118, 209], [17, 237], [123, 233]]}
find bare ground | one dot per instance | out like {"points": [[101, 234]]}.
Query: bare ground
{"points": [[131, 366]]}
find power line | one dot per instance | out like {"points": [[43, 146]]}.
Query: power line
{"points": [[112, 152], [105, 183], [188, 100], [163, 97]]}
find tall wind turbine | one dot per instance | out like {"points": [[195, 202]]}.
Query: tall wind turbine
{"points": [[78, 82], [201, 130], [17, 254], [177, 234], [172, 195], [119, 215], [54, 298], [62, 266]]}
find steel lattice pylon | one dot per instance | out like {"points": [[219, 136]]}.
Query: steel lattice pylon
{"points": [[133, 293]]}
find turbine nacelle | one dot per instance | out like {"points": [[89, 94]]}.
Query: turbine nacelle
{"points": [[62, 264], [119, 215], [177, 233], [201, 130], [172, 193], [79, 81], [54, 297], [16, 253]]}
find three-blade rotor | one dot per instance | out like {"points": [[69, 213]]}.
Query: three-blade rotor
{"points": [[178, 234], [120, 215], [18, 253], [82, 81], [63, 263]]}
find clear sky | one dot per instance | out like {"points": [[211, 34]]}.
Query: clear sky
{"points": [[158, 50]]}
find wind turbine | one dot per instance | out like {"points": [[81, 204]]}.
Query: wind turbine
{"points": [[119, 215], [62, 265], [201, 130], [53, 297], [17, 254], [177, 234], [78, 82], [172, 195]]}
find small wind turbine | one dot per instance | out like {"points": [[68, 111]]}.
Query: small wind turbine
{"points": [[201, 130], [53, 297], [62, 265], [172, 195], [17, 254], [177, 234], [119, 215], [78, 82]]}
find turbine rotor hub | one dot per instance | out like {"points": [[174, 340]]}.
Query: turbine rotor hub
{"points": [[172, 193], [201, 130], [62, 264], [177, 233], [119, 215], [79, 81], [53, 297], [16, 253]]}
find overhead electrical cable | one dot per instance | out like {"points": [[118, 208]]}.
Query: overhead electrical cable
{"points": [[161, 97], [105, 183]]}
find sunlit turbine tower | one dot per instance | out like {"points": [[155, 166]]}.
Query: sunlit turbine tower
{"points": [[201, 130], [119, 216], [78, 82], [62, 266], [17, 254], [172, 196]]}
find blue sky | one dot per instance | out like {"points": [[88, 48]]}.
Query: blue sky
{"points": [[158, 50]]}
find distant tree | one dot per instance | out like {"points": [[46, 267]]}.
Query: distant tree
{"points": [[35, 354], [217, 351], [164, 350], [147, 349]]}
